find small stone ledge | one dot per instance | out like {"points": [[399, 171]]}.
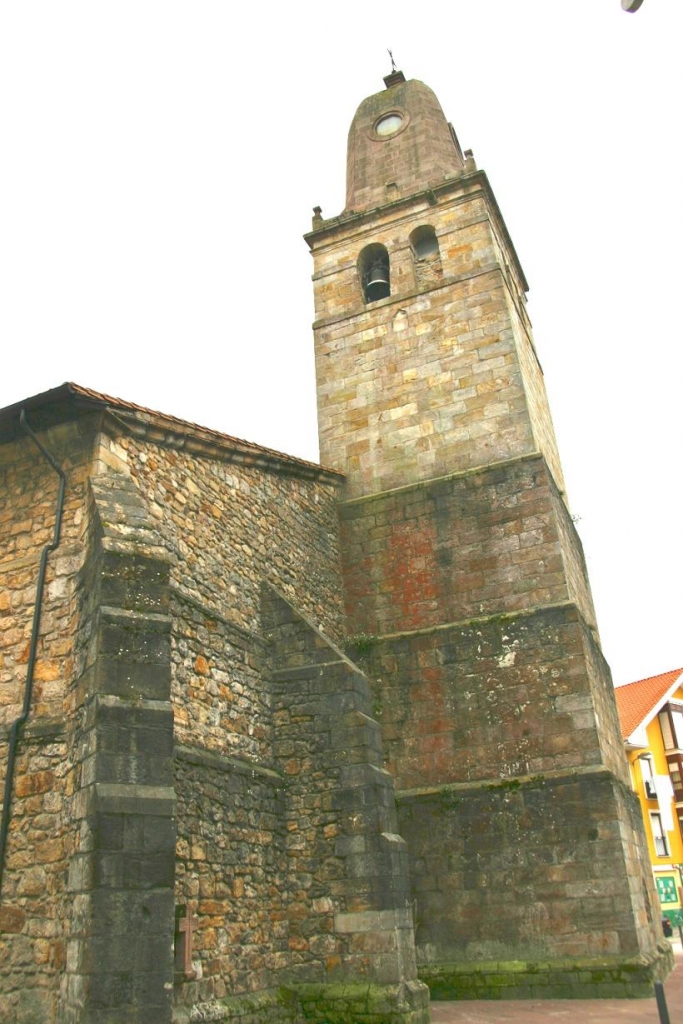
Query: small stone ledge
{"points": [[448, 792], [133, 798], [222, 763], [310, 670], [577, 978], [41, 730], [320, 1004], [433, 482], [268, 1007], [478, 621], [373, 920], [156, 622]]}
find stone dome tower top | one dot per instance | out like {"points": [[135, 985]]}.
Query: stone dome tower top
{"points": [[399, 143]]}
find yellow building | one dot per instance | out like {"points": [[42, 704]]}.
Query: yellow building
{"points": [[651, 716]]}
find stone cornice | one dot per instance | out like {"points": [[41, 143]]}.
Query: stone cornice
{"points": [[475, 182]]}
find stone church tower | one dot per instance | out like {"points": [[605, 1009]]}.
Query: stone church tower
{"points": [[466, 590]]}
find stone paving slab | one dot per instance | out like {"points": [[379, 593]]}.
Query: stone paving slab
{"points": [[595, 1011]]}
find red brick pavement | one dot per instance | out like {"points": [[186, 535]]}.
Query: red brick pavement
{"points": [[595, 1011]]}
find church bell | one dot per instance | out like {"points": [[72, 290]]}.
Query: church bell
{"points": [[377, 283]]}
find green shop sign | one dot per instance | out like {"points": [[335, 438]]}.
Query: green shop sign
{"points": [[666, 887]]}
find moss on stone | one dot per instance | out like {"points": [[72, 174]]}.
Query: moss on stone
{"points": [[580, 978]]}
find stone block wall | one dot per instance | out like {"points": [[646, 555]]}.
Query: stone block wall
{"points": [[120, 880], [487, 699], [426, 381], [33, 931], [348, 907], [484, 542], [219, 700], [527, 870], [150, 636]]}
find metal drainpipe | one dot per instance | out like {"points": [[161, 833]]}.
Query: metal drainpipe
{"points": [[17, 725]]}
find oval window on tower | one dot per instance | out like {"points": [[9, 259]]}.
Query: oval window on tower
{"points": [[373, 270], [388, 125]]}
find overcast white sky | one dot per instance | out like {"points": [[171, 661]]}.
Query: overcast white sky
{"points": [[161, 160]]}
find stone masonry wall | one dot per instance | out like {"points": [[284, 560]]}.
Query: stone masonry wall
{"points": [[488, 699], [224, 527], [219, 699], [423, 382], [34, 910], [446, 556], [471, 544], [28, 494], [490, 886], [228, 526], [536, 395], [348, 910], [230, 875], [530, 365], [119, 967]]}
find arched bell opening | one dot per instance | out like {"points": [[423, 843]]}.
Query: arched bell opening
{"points": [[426, 255], [373, 270], [424, 242]]}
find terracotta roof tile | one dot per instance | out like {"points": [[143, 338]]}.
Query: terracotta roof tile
{"points": [[78, 392], [206, 432], [636, 700]]}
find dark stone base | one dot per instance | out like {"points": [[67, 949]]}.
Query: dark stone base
{"points": [[365, 1004], [586, 978], [320, 1004]]}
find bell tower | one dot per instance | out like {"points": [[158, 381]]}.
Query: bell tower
{"points": [[425, 360], [463, 572]]}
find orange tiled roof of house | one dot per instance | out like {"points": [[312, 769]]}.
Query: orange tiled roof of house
{"points": [[636, 700]]}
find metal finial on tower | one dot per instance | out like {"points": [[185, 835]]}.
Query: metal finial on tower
{"points": [[395, 76]]}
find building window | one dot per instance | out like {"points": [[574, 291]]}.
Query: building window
{"points": [[373, 270], [647, 777], [659, 835], [676, 775], [671, 723]]}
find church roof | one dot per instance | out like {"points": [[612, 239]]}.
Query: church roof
{"points": [[203, 437], [638, 702]]}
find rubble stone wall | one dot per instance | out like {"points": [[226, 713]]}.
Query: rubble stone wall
{"points": [[34, 913], [228, 526]]}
